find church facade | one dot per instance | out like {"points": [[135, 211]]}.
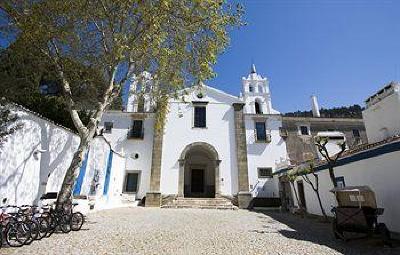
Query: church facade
{"points": [[213, 144]]}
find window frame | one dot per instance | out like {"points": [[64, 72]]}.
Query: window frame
{"points": [[105, 129], [356, 131], [198, 106], [268, 176], [127, 172], [131, 129], [300, 132], [256, 131]]}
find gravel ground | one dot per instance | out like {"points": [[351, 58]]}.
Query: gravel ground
{"points": [[198, 231]]}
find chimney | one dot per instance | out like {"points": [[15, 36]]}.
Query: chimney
{"points": [[315, 107]]}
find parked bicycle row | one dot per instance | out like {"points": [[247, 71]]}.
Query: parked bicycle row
{"points": [[21, 225]]}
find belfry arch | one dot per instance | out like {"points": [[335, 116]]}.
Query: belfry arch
{"points": [[199, 171]]}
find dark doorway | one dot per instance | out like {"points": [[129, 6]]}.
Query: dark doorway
{"points": [[197, 181], [258, 108], [300, 188]]}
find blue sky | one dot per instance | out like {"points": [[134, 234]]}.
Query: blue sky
{"points": [[341, 51]]}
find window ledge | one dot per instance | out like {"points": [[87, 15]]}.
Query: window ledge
{"points": [[129, 193], [135, 138], [262, 141]]}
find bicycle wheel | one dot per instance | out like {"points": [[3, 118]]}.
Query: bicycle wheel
{"points": [[1, 235], [17, 234], [52, 224], [77, 221], [43, 227], [34, 231], [65, 223]]}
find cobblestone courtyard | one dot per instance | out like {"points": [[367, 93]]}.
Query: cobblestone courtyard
{"points": [[196, 231]]}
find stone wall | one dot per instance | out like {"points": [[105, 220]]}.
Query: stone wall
{"points": [[299, 146]]}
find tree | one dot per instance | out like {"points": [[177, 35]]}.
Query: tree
{"points": [[177, 41], [304, 172], [23, 78], [292, 176], [321, 143], [8, 121]]}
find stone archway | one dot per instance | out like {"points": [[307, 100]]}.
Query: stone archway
{"points": [[199, 171]]}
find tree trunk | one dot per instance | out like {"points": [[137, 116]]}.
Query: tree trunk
{"points": [[65, 194], [86, 134], [332, 175], [295, 193], [320, 205]]}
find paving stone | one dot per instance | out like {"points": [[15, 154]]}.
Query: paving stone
{"points": [[198, 231]]}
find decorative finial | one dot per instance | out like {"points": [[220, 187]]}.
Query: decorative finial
{"points": [[253, 68]]}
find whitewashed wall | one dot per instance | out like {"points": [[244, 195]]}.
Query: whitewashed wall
{"points": [[381, 173], [34, 159], [122, 122], [382, 119], [220, 133], [261, 155]]}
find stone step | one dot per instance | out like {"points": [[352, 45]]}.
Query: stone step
{"points": [[203, 203], [219, 207]]}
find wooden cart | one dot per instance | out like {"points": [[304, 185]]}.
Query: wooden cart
{"points": [[357, 212]]}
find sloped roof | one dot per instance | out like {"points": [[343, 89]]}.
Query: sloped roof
{"points": [[360, 152], [222, 94]]}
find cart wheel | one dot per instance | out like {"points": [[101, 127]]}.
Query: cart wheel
{"points": [[337, 231], [384, 232]]}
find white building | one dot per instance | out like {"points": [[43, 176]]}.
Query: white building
{"points": [[375, 164], [214, 145], [381, 116]]}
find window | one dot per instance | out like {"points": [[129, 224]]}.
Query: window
{"points": [[304, 130], [283, 132], [107, 127], [356, 133], [258, 108], [340, 182], [251, 89], [265, 172], [131, 182], [200, 116], [140, 107], [261, 132], [137, 129]]}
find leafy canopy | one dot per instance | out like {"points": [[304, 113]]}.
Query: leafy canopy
{"points": [[175, 40]]}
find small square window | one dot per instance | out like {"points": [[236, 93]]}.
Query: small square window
{"points": [[304, 130], [137, 129], [108, 127], [265, 172], [131, 182], [200, 116], [340, 182], [356, 133]]}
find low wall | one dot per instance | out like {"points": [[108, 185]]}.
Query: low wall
{"points": [[380, 171]]}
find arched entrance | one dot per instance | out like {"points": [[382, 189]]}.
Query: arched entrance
{"points": [[199, 171]]}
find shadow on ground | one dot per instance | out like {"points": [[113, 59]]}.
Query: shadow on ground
{"points": [[312, 230]]}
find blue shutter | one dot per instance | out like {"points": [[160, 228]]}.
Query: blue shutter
{"points": [[81, 176], [108, 173]]}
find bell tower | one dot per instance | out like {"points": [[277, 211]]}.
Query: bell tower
{"points": [[256, 94]]}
